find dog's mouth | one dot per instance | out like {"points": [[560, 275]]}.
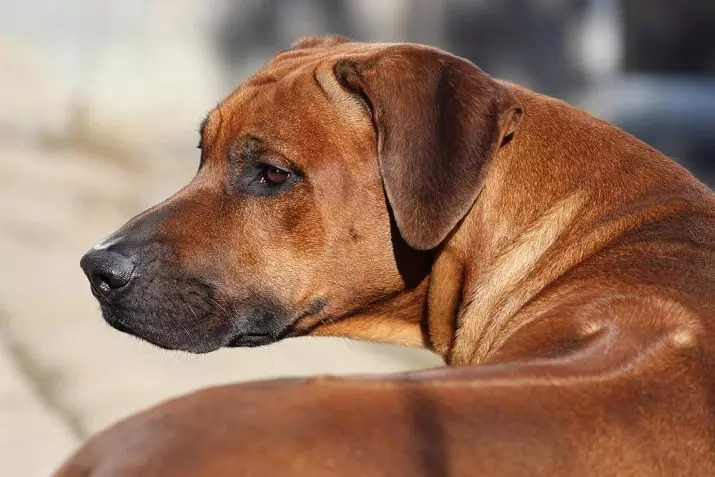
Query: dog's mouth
{"points": [[119, 325], [248, 331], [190, 317]]}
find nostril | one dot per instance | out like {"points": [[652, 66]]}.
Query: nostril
{"points": [[102, 279], [107, 270]]}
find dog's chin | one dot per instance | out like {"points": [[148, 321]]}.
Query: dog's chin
{"points": [[196, 328], [178, 339], [250, 331]]}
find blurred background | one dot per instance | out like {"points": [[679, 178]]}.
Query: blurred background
{"points": [[99, 105]]}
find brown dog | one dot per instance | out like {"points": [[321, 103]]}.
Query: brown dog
{"points": [[397, 193]]}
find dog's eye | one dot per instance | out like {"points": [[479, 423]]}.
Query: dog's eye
{"points": [[263, 179], [273, 176]]}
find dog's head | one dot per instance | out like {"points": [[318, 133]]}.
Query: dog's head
{"points": [[326, 182]]}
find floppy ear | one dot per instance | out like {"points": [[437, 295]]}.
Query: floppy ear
{"points": [[439, 120]]}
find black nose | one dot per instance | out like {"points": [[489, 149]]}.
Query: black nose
{"points": [[106, 270]]}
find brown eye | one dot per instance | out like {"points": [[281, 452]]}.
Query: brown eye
{"points": [[274, 176]]}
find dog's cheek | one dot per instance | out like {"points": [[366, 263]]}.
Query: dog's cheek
{"points": [[282, 245]]}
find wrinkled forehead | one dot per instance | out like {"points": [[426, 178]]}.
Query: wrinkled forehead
{"points": [[283, 92], [281, 102]]}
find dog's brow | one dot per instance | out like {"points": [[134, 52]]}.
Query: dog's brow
{"points": [[210, 123], [202, 126], [208, 128]]}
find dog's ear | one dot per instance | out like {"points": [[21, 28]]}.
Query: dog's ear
{"points": [[319, 41], [439, 120]]}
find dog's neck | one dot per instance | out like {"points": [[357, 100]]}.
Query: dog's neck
{"points": [[542, 211], [489, 267], [499, 252], [506, 270]]}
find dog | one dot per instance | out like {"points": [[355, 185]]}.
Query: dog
{"points": [[397, 193]]}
